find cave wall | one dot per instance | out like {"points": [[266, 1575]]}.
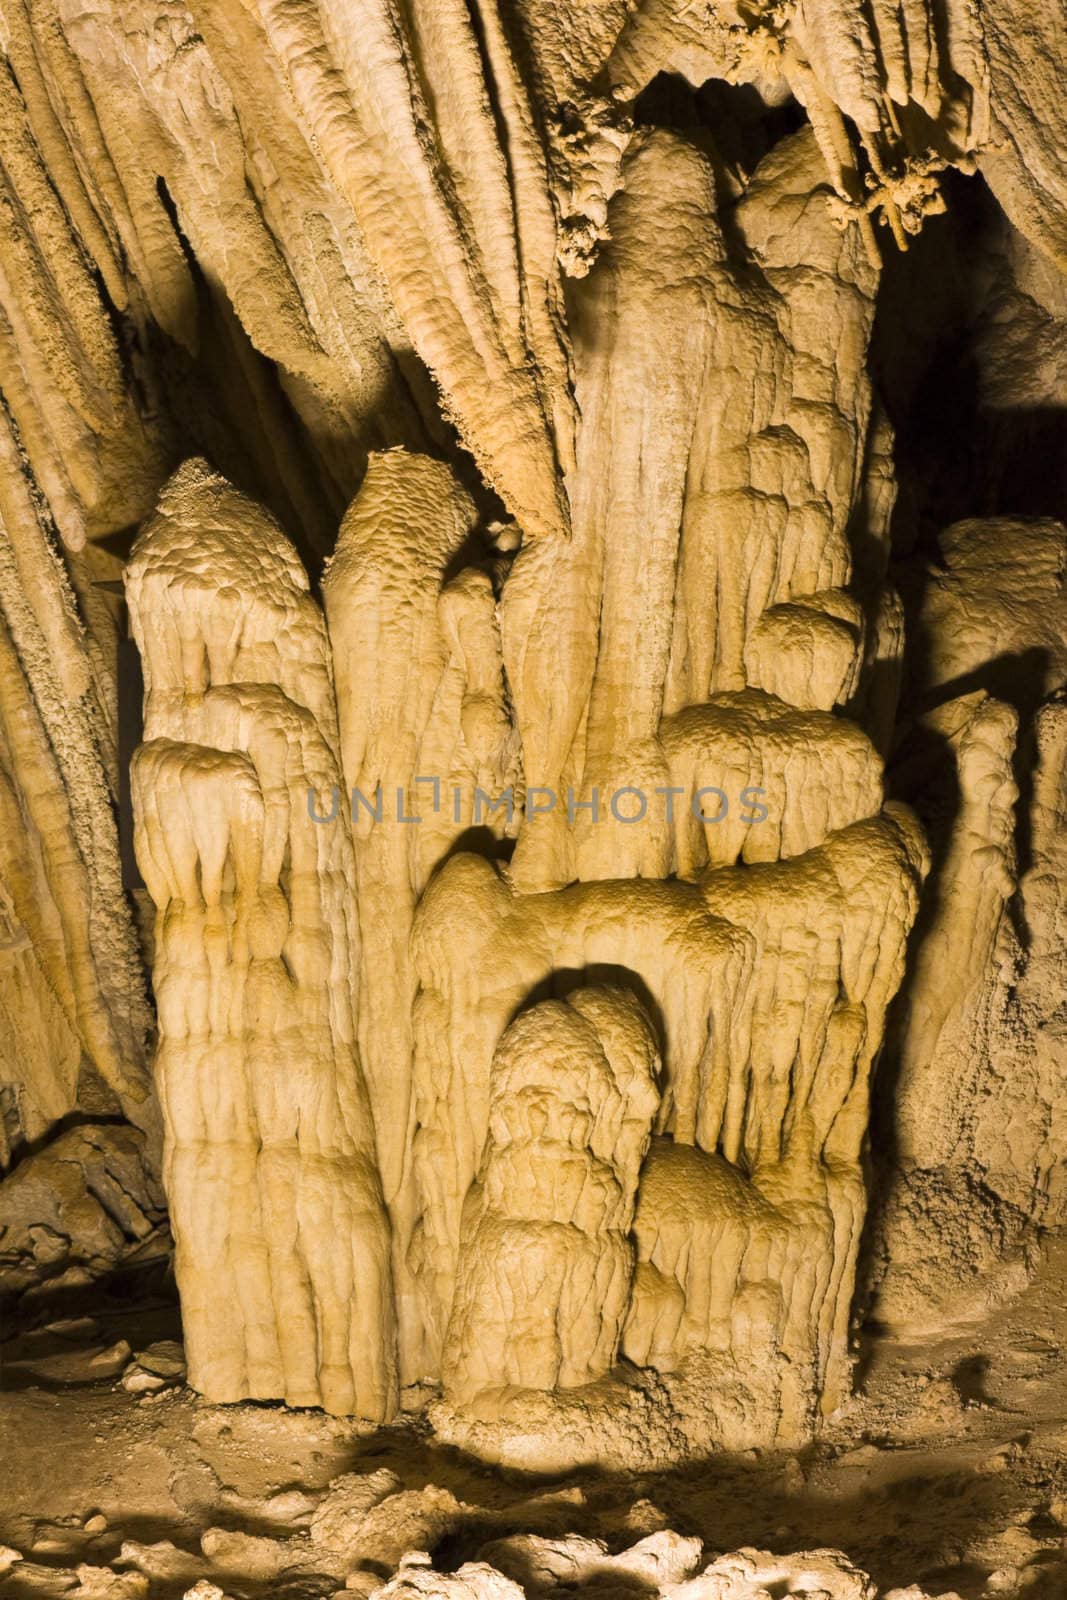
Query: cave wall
{"points": [[535, 400]]}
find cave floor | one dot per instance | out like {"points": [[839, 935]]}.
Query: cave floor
{"points": [[948, 1469]]}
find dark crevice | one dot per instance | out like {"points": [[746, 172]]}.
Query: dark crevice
{"points": [[958, 454], [941, 367], [733, 119], [227, 403]]}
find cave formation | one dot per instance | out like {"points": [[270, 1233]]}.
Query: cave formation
{"points": [[533, 780]]}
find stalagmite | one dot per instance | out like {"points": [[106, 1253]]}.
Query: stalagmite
{"points": [[772, 1011], [979, 1010], [692, 514], [270, 1163], [767, 981], [657, 936], [947, 1008], [545, 1261], [423, 732]]}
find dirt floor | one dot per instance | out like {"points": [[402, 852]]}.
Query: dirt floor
{"points": [[948, 1470]]}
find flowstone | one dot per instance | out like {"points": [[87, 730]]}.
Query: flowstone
{"points": [[526, 1046]]}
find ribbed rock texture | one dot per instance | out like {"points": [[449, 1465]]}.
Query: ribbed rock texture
{"points": [[281, 1239], [545, 1259], [983, 1010], [423, 720], [569, 767]]}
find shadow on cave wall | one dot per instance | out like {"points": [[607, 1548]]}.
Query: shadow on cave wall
{"points": [[959, 451], [562, 982], [959, 454], [227, 401]]}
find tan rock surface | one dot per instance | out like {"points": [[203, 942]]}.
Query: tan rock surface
{"points": [[568, 544], [269, 1155]]}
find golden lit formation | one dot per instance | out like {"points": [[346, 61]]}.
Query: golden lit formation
{"points": [[533, 805]]}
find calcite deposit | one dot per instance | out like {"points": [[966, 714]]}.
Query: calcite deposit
{"points": [[281, 1238], [545, 1265], [533, 718]]}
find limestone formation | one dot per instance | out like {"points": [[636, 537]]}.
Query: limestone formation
{"points": [[545, 1261], [282, 1246], [768, 980], [780, 780], [661, 935], [691, 516], [424, 731], [767, 1065], [72, 1003], [981, 1007], [573, 908]]}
